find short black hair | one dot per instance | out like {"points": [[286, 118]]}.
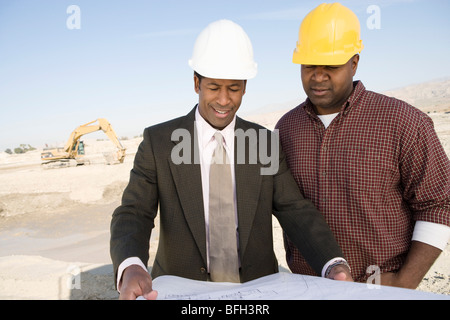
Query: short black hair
{"points": [[199, 76]]}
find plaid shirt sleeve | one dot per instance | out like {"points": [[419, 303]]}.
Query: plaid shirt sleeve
{"points": [[425, 172]]}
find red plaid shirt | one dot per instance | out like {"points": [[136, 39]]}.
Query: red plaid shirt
{"points": [[377, 169]]}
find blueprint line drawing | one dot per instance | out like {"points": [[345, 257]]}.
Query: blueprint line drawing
{"points": [[282, 286]]}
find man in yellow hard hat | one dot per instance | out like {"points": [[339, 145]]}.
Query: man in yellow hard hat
{"points": [[214, 229], [373, 165]]}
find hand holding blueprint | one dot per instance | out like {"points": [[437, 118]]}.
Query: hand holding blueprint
{"points": [[282, 286]]}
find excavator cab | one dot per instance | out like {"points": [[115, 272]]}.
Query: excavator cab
{"points": [[79, 148]]}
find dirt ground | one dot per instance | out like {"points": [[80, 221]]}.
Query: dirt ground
{"points": [[54, 225]]}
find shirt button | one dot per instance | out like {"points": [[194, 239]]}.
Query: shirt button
{"points": [[203, 270]]}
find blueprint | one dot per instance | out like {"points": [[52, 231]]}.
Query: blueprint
{"points": [[282, 286]]}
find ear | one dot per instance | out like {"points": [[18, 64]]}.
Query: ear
{"points": [[196, 84], [355, 61], [245, 87]]}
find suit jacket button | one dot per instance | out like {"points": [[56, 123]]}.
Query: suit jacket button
{"points": [[203, 270]]}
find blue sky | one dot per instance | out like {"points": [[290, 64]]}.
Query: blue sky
{"points": [[128, 61]]}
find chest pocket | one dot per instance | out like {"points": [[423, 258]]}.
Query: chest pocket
{"points": [[365, 169]]}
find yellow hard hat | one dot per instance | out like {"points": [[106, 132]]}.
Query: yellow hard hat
{"points": [[329, 35]]}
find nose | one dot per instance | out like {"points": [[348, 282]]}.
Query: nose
{"points": [[223, 97], [319, 74]]}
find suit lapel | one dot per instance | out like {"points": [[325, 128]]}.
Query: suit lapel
{"points": [[248, 184], [187, 179]]}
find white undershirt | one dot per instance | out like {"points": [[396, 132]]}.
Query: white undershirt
{"points": [[327, 118]]}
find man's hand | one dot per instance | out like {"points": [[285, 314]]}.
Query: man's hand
{"points": [[136, 282], [340, 272], [419, 260]]}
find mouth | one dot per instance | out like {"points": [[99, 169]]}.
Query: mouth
{"points": [[319, 91], [221, 113]]}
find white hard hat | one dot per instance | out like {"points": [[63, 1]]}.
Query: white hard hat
{"points": [[224, 51]]}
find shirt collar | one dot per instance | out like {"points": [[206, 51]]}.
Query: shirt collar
{"points": [[358, 90], [206, 131]]}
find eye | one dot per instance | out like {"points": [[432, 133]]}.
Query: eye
{"points": [[308, 68]]}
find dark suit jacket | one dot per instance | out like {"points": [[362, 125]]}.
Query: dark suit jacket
{"points": [[177, 189]]}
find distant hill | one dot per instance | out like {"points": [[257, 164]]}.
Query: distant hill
{"points": [[431, 96]]}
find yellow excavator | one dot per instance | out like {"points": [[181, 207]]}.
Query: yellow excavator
{"points": [[72, 154]]}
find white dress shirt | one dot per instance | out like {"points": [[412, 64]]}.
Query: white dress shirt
{"points": [[207, 145]]}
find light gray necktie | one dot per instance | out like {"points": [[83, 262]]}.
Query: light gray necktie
{"points": [[223, 254]]}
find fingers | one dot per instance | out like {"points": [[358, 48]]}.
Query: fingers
{"points": [[341, 276], [136, 282], [151, 295], [341, 273]]}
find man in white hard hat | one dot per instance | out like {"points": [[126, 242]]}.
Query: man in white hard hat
{"points": [[215, 212]]}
